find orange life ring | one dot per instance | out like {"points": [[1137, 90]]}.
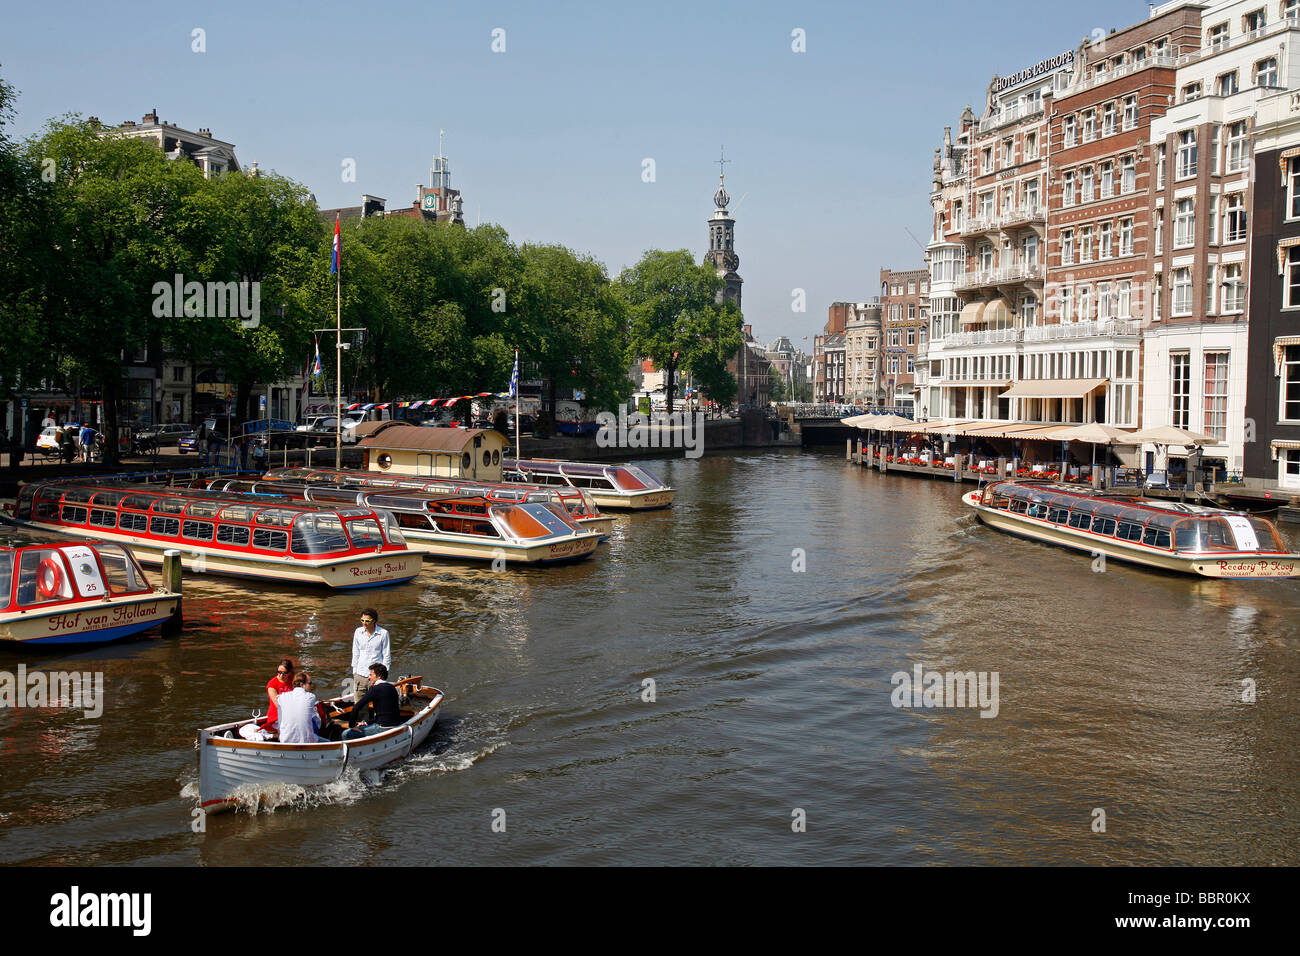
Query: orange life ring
{"points": [[49, 579]]}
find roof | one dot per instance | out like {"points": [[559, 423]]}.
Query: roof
{"points": [[419, 438], [365, 429]]}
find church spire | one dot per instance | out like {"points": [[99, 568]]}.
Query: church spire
{"points": [[722, 237]]}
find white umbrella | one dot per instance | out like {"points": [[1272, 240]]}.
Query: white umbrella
{"points": [[1169, 435], [1096, 433]]}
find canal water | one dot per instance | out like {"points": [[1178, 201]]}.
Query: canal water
{"points": [[770, 608]]}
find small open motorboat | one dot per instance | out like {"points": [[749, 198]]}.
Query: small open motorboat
{"points": [[234, 771], [76, 592], [1156, 533]]}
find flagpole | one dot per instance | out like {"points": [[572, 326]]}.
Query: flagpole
{"points": [[338, 349], [518, 409]]}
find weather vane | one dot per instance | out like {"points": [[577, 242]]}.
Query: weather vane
{"points": [[721, 161]]}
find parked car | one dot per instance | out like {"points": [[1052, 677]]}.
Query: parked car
{"points": [[168, 434]]}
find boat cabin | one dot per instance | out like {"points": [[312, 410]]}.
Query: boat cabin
{"points": [[40, 575], [579, 474], [466, 453], [1168, 527]]}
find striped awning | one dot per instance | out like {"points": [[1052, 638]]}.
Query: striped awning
{"points": [[997, 314], [1282, 247]]}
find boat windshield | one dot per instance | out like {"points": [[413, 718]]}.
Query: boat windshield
{"points": [[553, 517], [318, 534], [646, 479], [520, 523], [42, 577], [124, 574], [7, 576], [392, 528], [365, 533]]}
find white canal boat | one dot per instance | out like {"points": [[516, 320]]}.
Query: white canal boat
{"points": [[613, 487], [1159, 534], [234, 771], [76, 592]]}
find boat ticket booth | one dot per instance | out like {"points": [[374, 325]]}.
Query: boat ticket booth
{"points": [[397, 448]]}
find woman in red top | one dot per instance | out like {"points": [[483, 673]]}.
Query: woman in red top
{"points": [[281, 683]]}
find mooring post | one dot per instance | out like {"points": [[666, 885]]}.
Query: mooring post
{"points": [[848, 449], [172, 580]]}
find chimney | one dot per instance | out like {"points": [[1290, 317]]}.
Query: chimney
{"points": [[151, 116]]}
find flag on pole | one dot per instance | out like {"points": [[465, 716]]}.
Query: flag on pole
{"points": [[315, 368], [338, 241], [514, 377]]}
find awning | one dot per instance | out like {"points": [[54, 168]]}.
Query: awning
{"points": [[971, 313], [1284, 445], [1282, 248], [1279, 350], [972, 383], [998, 314], [1054, 388]]}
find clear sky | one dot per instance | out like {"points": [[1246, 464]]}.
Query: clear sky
{"points": [[830, 149]]}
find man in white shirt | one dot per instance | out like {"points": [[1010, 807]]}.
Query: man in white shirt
{"points": [[370, 645], [299, 713]]}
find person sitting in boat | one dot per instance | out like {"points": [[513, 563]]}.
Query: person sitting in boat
{"points": [[383, 697], [301, 715], [281, 683]]}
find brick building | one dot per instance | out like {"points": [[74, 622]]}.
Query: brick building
{"points": [[905, 313]]}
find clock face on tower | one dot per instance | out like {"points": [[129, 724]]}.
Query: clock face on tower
{"points": [[731, 261]]}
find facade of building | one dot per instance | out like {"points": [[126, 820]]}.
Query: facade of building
{"points": [[211, 155], [1272, 449], [905, 311], [828, 368], [864, 382], [1195, 347]]}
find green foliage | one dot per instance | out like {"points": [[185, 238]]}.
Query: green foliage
{"points": [[676, 319]]}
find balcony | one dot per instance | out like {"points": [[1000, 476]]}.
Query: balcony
{"points": [[1128, 69], [1010, 114], [984, 337], [1281, 26], [989, 278], [980, 225], [1093, 328]]}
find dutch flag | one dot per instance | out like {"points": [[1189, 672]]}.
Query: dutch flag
{"points": [[334, 256]]}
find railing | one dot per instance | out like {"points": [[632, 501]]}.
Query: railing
{"points": [[1133, 66], [1020, 272], [985, 337], [1231, 44], [1083, 330], [1010, 114], [975, 225]]}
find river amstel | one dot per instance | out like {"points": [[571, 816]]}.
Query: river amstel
{"points": [[1120, 698]]}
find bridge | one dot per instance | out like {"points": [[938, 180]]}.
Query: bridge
{"points": [[821, 423]]}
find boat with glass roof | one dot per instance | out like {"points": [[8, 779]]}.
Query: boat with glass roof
{"points": [[1169, 535], [271, 539], [67, 591], [461, 527], [616, 487], [578, 503]]}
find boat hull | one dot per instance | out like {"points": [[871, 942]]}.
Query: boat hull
{"points": [[475, 548], [232, 771], [353, 572], [88, 623], [1242, 565], [631, 500]]}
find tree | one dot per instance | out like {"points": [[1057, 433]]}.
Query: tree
{"points": [[263, 233], [677, 321], [116, 229]]}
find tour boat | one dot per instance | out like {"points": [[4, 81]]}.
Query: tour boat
{"points": [[579, 504], [620, 487], [235, 771], [449, 525], [268, 539], [75, 592], [1156, 533]]}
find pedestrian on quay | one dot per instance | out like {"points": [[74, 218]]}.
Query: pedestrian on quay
{"points": [[370, 645], [201, 441], [87, 442]]}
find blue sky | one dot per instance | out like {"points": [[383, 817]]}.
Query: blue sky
{"points": [[830, 149]]}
